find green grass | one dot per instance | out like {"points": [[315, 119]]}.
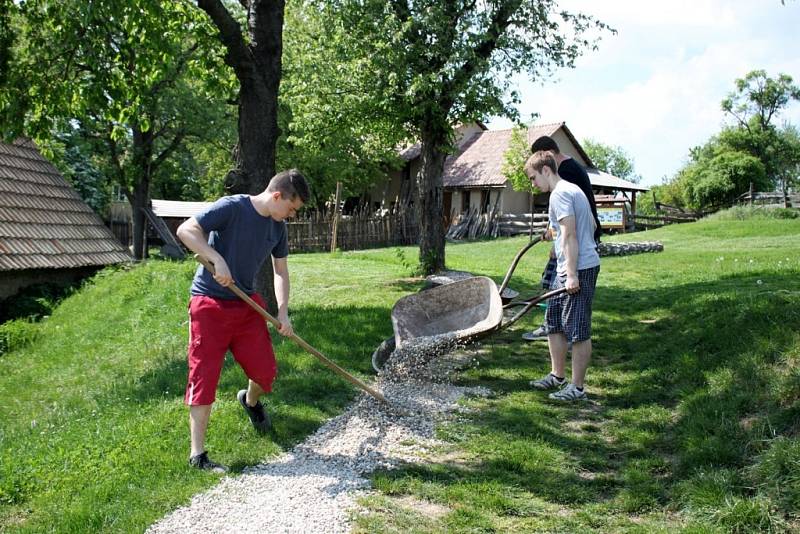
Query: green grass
{"points": [[695, 427], [696, 378]]}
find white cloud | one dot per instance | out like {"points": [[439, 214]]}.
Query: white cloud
{"points": [[655, 89]]}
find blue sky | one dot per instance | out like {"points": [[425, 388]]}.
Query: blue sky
{"points": [[655, 88]]}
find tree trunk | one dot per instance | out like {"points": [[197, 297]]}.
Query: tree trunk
{"points": [[257, 64], [142, 159], [429, 201]]}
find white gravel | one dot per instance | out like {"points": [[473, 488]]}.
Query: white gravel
{"points": [[314, 487]]}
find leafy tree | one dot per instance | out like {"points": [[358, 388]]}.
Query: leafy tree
{"points": [[788, 154], [132, 75], [759, 99], [442, 63], [332, 119], [718, 180], [611, 159], [514, 160], [755, 106]]}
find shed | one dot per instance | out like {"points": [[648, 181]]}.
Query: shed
{"points": [[47, 232]]}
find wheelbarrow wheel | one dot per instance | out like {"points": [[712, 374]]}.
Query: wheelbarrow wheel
{"points": [[382, 353]]}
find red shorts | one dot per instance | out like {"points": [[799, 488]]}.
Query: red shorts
{"points": [[217, 325]]}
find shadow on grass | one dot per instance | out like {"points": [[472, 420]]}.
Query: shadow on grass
{"points": [[693, 386]]}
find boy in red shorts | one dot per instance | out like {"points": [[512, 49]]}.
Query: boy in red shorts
{"points": [[237, 234]]}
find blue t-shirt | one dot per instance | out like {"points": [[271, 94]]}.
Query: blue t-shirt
{"points": [[567, 200], [242, 236]]}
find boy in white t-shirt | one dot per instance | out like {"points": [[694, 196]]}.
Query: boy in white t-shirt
{"points": [[569, 316]]}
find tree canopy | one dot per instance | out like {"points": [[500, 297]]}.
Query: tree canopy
{"points": [[753, 149], [611, 159], [134, 77], [438, 64]]}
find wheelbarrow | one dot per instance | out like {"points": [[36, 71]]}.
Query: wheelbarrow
{"points": [[466, 309]]}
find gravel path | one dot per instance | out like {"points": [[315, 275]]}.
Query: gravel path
{"points": [[313, 488]]}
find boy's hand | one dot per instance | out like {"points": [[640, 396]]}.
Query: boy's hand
{"points": [[286, 325], [222, 273], [572, 284]]}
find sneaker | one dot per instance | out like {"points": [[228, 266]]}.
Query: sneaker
{"points": [[548, 382], [540, 334], [569, 394], [201, 461], [258, 416]]}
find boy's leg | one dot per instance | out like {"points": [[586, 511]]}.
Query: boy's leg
{"points": [[252, 349], [577, 321], [198, 423], [208, 343], [581, 354], [558, 353], [254, 392]]}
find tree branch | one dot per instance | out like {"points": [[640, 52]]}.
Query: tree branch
{"points": [[173, 145], [237, 54], [499, 22]]}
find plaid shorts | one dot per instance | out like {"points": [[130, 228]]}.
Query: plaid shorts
{"points": [[572, 314]]}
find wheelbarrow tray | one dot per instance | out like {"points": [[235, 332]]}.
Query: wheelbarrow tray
{"points": [[463, 309]]}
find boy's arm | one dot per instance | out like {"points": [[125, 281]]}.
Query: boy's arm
{"points": [[570, 247], [192, 235], [281, 281]]}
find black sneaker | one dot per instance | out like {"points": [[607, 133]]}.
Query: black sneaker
{"points": [[258, 416], [201, 461]]}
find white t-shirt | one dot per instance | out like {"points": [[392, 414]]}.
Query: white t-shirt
{"points": [[567, 200]]}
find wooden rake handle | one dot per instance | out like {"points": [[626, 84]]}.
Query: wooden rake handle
{"points": [[294, 337]]}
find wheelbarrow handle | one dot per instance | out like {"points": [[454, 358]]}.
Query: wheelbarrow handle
{"points": [[530, 304], [518, 257], [294, 337]]}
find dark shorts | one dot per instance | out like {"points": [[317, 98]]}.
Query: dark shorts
{"points": [[549, 273], [216, 326], [572, 314]]}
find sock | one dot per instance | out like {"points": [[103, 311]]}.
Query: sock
{"points": [[559, 378], [579, 389]]}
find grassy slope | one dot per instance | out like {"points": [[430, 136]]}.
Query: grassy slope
{"points": [[696, 425], [93, 433]]}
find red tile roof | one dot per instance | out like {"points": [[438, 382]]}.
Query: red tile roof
{"points": [[44, 224], [480, 160]]}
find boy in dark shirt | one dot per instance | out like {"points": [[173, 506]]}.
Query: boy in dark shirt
{"points": [[237, 234]]}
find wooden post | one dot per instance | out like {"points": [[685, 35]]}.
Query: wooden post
{"points": [[752, 193], [336, 216], [633, 209]]}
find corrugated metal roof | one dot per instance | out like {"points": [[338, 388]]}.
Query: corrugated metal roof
{"points": [[177, 208], [609, 181], [44, 224]]}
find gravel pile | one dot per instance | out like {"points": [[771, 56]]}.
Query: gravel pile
{"points": [[313, 488], [624, 249]]}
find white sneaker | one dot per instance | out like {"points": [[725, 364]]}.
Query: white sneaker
{"points": [[569, 394], [548, 382]]}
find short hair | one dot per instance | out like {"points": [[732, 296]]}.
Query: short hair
{"points": [[291, 184], [545, 143], [540, 160]]}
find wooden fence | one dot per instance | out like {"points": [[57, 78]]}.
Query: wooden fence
{"points": [[313, 232]]}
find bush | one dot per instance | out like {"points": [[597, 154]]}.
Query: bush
{"points": [[35, 302], [17, 334], [744, 213]]}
